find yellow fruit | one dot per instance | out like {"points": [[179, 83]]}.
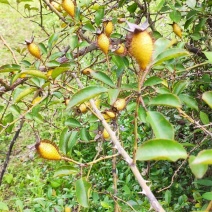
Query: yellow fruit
{"points": [[121, 50], [177, 30], [56, 6], [66, 101], [103, 43], [111, 114], [105, 134], [141, 48], [120, 104], [23, 75], [97, 103], [36, 100], [172, 42], [67, 209], [48, 150], [108, 27], [106, 117], [69, 7], [82, 108], [87, 71], [34, 50]]}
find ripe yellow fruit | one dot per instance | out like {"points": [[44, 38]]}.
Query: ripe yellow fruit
{"points": [[141, 48], [48, 150], [56, 6], [69, 7], [34, 50], [82, 108], [121, 50], [67, 209], [36, 100], [105, 134], [108, 27], [87, 71], [120, 104], [177, 30], [111, 114], [103, 43]]}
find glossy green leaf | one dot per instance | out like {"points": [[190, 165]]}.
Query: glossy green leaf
{"points": [[71, 122], [207, 196], [52, 64], [85, 135], [73, 140], [113, 95], [153, 81], [64, 139], [168, 196], [161, 149], [35, 73], [83, 192], [189, 101], [209, 56], [175, 16], [169, 54], [52, 40], [179, 87], [204, 118], [197, 169], [102, 77], [24, 93], [160, 45], [204, 157], [170, 100], [142, 114], [99, 16], [85, 94], [65, 171], [160, 5], [160, 125], [57, 71], [207, 97], [89, 27], [43, 48], [73, 41], [118, 61]]}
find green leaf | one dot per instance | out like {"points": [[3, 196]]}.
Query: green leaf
{"points": [[4, 2], [64, 139], [169, 54], [170, 100], [35, 73], [160, 5], [161, 127], [59, 70], [204, 118], [52, 64], [73, 42], [52, 40], [119, 62], [161, 149], [209, 56], [65, 171], [89, 27], [71, 122], [3, 206], [73, 140], [85, 135], [207, 195], [113, 95], [207, 97], [191, 3], [204, 157], [85, 94], [24, 93], [43, 48], [179, 86], [197, 169], [153, 81], [83, 192], [189, 101], [175, 16], [168, 196], [102, 77], [99, 16], [142, 114]]}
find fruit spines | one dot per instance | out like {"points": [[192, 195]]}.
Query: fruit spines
{"points": [[177, 30], [103, 42], [141, 48], [34, 50], [48, 150], [69, 7]]}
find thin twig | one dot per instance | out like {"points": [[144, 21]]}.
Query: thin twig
{"points": [[10, 150]]}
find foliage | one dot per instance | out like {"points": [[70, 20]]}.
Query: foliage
{"points": [[166, 119]]}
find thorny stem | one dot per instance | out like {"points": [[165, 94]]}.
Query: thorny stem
{"points": [[146, 189]]}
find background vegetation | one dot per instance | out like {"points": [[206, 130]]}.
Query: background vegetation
{"points": [[170, 118]]}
